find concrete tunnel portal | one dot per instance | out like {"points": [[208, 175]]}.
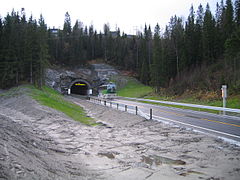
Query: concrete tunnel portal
{"points": [[80, 87]]}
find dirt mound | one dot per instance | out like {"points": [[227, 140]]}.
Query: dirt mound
{"points": [[37, 142], [28, 150]]}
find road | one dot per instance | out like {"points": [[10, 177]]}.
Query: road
{"points": [[223, 126]]}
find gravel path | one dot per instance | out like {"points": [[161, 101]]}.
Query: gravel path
{"points": [[37, 142]]}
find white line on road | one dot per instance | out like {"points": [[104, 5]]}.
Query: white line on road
{"points": [[198, 127]]}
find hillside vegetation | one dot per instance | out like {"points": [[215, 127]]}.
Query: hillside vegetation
{"points": [[178, 57], [130, 87]]}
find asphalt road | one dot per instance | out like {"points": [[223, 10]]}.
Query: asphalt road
{"points": [[219, 125]]}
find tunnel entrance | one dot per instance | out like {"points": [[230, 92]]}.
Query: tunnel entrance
{"points": [[80, 88]]}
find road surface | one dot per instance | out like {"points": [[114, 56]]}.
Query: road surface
{"points": [[224, 126]]}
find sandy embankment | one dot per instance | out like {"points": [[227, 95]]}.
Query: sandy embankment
{"points": [[40, 143]]}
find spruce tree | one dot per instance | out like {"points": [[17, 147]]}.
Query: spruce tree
{"points": [[198, 35], [237, 13], [43, 52], [228, 22], [156, 68], [190, 38], [220, 34], [209, 46], [67, 29]]}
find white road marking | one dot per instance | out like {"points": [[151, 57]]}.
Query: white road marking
{"points": [[198, 127]]}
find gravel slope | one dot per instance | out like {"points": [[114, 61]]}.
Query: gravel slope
{"points": [[37, 142]]}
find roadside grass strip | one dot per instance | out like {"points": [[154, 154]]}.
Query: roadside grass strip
{"points": [[134, 89], [51, 98]]}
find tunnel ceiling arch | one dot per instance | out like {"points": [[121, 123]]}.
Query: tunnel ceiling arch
{"points": [[80, 87]]}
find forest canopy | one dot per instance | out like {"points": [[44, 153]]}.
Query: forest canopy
{"points": [[184, 48]]}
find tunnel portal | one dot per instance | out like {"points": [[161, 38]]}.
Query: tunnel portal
{"points": [[80, 88]]}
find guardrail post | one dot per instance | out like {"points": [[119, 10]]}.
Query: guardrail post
{"points": [[125, 107], [136, 110], [150, 114]]}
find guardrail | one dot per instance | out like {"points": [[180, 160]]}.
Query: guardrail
{"points": [[122, 107], [150, 116], [187, 105]]}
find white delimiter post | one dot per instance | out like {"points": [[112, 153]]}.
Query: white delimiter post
{"points": [[224, 96]]}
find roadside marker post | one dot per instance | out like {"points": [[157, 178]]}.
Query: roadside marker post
{"points": [[136, 110], [125, 107], [150, 114], [224, 96]]}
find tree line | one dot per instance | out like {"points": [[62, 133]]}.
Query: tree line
{"points": [[23, 49], [158, 56]]}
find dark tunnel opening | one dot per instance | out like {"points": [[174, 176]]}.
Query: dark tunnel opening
{"points": [[80, 88]]}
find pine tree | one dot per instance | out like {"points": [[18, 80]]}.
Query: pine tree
{"points": [[75, 44], [91, 43], [156, 68], [190, 38], [29, 49], [67, 28], [177, 38], [66, 35], [169, 55], [198, 35], [228, 23], [2, 62], [106, 31], [220, 34], [237, 12], [43, 52], [209, 36]]}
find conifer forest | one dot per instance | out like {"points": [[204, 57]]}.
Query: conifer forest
{"points": [[162, 57]]}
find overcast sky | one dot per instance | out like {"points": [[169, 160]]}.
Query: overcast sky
{"points": [[126, 14]]}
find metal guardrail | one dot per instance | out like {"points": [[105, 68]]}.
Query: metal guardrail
{"points": [[122, 107], [187, 105], [136, 110]]}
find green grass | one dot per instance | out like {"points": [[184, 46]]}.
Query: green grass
{"points": [[137, 90], [51, 98], [183, 107], [134, 89], [104, 91], [232, 101]]}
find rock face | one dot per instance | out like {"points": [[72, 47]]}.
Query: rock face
{"points": [[104, 71], [62, 79], [93, 76]]}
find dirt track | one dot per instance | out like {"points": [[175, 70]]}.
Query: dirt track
{"points": [[37, 142]]}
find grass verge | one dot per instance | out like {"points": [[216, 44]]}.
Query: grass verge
{"points": [[132, 88], [184, 107], [51, 98], [232, 101], [135, 89]]}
